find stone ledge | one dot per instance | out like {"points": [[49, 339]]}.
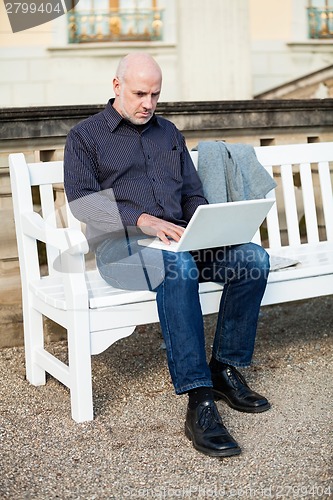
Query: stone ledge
{"points": [[54, 122]]}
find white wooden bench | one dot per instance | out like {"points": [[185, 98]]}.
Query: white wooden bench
{"points": [[97, 315]]}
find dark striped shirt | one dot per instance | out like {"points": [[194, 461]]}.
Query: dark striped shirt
{"points": [[115, 171]]}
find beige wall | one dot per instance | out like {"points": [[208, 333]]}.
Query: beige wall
{"points": [[270, 19], [280, 48]]}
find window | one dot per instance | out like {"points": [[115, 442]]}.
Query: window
{"points": [[320, 18], [115, 20]]}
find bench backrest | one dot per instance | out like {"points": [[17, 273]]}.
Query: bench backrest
{"points": [[304, 194], [303, 212]]}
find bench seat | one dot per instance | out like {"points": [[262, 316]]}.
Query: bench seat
{"points": [[314, 260], [51, 291]]}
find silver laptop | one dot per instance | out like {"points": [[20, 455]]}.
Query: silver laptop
{"points": [[218, 225]]}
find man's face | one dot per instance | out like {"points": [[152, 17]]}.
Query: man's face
{"points": [[137, 94]]}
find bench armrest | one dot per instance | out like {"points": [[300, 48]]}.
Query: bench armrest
{"points": [[68, 240]]}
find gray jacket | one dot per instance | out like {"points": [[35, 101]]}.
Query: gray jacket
{"points": [[231, 172]]}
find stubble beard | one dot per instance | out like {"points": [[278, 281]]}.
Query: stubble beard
{"points": [[132, 118]]}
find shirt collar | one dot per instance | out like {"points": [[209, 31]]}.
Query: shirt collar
{"points": [[112, 116], [114, 119]]}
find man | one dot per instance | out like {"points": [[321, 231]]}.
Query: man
{"points": [[129, 173]]}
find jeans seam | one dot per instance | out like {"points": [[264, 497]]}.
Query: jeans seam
{"points": [[221, 319], [169, 348]]}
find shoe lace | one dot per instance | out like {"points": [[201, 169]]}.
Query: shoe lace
{"points": [[209, 417], [238, 381], [236, 378]]}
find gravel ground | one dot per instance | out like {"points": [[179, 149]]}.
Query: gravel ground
{"points": [[136, 447]]}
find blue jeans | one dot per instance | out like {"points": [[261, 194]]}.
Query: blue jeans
{"points": [[242, 269]]}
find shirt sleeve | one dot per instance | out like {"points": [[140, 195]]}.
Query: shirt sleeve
{"points": [[192, 195], [88, 202]]}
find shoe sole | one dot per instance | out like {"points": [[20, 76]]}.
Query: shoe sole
{"points": [[231, 452], [255, 409]]}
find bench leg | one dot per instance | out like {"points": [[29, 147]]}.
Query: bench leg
{"points": [[33, 340], [79, 354]]}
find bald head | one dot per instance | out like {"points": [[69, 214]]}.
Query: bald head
{"points": [[137, 87], [137, 63]]}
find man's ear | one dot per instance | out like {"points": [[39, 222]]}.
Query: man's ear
{"points": [[116, 86]]}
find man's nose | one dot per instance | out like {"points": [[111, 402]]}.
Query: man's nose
{"points": [[147, 102]]}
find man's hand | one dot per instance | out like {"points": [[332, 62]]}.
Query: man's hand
{"points": [[153, 226]]}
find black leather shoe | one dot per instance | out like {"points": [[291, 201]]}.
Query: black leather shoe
{"points": [[230, 385], [204, 427]]}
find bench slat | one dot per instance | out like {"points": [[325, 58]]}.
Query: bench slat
{"points": [[309, 203], [49, 214], [46, 173], [272, 219], [73, 223], [327, 197], [290, 205], [294, 153]]}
